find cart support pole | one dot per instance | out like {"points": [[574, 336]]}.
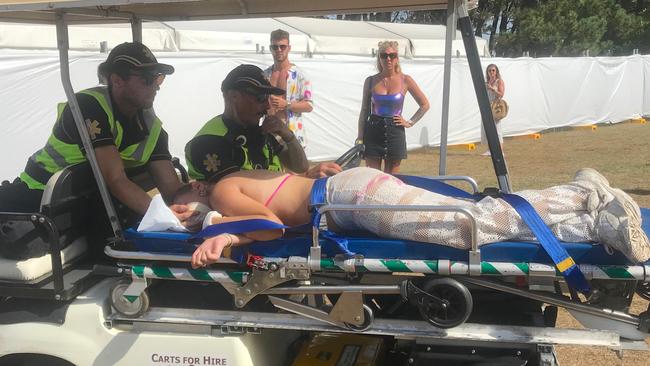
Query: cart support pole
{"points": [[63, 45], [136, 29], [444, 124], [476, 70]]}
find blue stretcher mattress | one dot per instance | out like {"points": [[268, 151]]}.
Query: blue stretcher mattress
{"points": [[374, 247]]}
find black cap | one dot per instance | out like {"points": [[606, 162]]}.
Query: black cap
{"points": [[249, 77], [136, 56]]}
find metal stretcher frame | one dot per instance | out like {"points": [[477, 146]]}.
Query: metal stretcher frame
{"points": [[63, 12]]}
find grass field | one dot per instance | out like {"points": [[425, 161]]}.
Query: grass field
{"points": [[620, 152]]}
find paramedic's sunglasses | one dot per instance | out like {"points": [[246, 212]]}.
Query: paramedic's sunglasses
{"points": [[275, 47], [384, 55], [150, 78], [260, 98]]}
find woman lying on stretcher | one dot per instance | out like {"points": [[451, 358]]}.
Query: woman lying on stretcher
{"points": [[585, 210]]}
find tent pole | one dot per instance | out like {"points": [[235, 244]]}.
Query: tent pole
{"points": [[63, 45], [136, 29], [476, 70], [444, 124]]}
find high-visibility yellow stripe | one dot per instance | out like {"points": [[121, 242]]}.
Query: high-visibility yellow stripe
{"points": [[566, 264]]}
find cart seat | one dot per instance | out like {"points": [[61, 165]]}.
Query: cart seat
{"points": [[66, 202]]}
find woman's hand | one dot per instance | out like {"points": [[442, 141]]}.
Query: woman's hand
{"points": [[400, 121], [210, 250]]}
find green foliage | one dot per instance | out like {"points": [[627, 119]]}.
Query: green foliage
{"points": [[571, 28]]}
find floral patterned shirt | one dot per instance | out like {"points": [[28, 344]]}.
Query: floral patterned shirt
{"points": [[298, 89]]}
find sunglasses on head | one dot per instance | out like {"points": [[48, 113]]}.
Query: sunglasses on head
{"points": [[260, 98], [275, 47], [149, 77], [392, 55]]}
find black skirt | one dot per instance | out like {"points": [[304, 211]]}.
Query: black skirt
{"points": [[383, 139]]}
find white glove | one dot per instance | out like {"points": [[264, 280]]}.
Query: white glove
{"points": [[208, 218]]}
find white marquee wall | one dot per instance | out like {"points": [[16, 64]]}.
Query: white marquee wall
{"points": [[542, 93]]}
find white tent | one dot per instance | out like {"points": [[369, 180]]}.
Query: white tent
{"points": [[308, 36]]}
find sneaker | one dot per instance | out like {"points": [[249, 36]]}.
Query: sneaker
{"points": [[618, 225], [487, 153], [590, 175]]}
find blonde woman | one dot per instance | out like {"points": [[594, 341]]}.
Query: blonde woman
{"points": [[496, 88], [381, 124]]}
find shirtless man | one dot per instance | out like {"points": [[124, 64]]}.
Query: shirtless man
{"points": [[585, 210], [285, 75]]}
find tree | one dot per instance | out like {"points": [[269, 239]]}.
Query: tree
{"points": [[571, 28]]}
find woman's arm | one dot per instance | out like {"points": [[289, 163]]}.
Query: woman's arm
{"points": [[365, 107], [211, 249], [420, 99], [501, 88]]}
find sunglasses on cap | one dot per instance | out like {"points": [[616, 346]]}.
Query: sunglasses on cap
{"points": [[260, 98], [384, 55], [275, 47], [149, 77]]}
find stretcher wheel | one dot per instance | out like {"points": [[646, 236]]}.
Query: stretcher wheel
{"points": [[368, 318], [643, 290], [456, 303], [125, 307], [352, 157]]}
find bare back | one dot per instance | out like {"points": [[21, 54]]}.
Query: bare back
{"points": [[289, 204]]}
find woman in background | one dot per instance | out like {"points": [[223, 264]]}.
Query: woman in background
{"points": [[381, 125], [496, 88]]}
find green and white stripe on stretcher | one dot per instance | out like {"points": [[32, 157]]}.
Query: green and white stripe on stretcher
{"points": [[184, 274], [447, 267]]}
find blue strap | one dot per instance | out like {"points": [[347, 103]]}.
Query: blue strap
{"points": [[436, 186], [335, 244], [236, 227], [563, 261]]}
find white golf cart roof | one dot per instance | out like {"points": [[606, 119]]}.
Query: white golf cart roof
{"points": [[111, 11]]}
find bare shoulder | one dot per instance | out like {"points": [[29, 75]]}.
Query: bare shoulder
{"points": [[409, 80]]}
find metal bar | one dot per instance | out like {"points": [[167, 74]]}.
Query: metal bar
{"points": [[299, 290], [146, 256], [55, 253], [136, 29], [403, 329], [446, 83], [62, 43], [604, 313], [476, 70]]}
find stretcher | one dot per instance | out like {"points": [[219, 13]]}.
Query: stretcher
{"points": [[335, 279]]}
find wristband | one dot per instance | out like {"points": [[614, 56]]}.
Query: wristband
{"points": [[288, 106], [208, 218], [229, 244]]}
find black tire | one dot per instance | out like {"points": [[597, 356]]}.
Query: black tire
{"points": [[124, 307], [457, 307]]}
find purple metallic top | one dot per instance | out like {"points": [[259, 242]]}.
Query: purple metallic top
{"points": [[387, 105]]}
